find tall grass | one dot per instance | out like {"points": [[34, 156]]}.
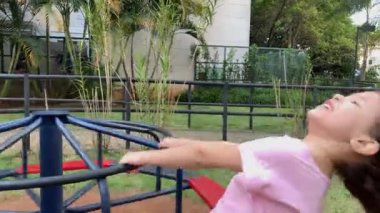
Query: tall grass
{"points": [[153, 100], [96, 96], [295, 99], [98, 17]]}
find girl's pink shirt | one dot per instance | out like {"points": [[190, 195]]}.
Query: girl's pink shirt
{"points": [[279, 176]]}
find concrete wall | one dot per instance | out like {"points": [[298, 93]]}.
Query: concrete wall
{"points": [[231, 27], [56, 23], [374, 58], [182, 65], [231, 23]]}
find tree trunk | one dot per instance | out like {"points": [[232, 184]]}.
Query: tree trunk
{"points": [[122, 57], [363, 67], [69, 42], [273, 26], [132, 56], [365, 50]]}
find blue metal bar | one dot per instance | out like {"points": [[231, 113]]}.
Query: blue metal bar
{"points": [[104, 196], [75, 144], [51, 164], [133, 126], [34, 196], [78, 194], [116, 125], [111, 132], [178, 194], [24, 158], [164, 173], [66, 179], [146, 126], [16, 137], [16, 124], [4, 173], [128, 127], [158, 179], [121, 201], [100, 150]]}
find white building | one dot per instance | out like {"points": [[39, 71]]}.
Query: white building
{"points": [[359, 19], [374, 58], [231, 27]]}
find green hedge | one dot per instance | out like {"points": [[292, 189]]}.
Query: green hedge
{"points": [[212, 94]]}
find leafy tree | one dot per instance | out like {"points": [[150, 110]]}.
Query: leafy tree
{"points": [[323, 27], [16, 30]]}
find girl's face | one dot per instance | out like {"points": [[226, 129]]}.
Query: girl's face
{"points": [[344, 117]]}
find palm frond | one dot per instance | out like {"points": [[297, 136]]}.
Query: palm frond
{"points": [[32, 51]]}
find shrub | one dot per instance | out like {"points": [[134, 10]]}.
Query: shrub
{"points": [[213, 94]]}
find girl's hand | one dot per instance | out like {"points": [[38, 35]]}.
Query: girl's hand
{"points": [[140, 158], [134, 158]]}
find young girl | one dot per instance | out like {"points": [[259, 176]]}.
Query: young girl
{"points": [[284, 174]]}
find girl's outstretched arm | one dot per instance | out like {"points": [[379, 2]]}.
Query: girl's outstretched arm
{"points": [[176, 142], [190, 156]]}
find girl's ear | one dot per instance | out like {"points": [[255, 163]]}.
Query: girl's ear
{"points": [[365, 145]]}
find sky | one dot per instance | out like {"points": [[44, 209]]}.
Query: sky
{"points": [[360, 17]]}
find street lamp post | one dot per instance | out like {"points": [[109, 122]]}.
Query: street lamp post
{"points": [[366, 27], [353, 75]]}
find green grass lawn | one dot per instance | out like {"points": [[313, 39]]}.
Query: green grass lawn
{"points": [[338, 199]]}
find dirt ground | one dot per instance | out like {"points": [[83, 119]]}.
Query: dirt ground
{"points": [[161, 204]]}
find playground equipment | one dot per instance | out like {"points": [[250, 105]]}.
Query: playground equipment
{"points": [[52, 126]]}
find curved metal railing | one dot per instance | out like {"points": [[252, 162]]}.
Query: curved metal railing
{"points": [[52, 127]]}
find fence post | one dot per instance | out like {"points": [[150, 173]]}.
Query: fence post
{"points": [[251, 107], [26, 138], [2, 54], [225, 110], [127, 100], [304, 120], [315, 92], [224, 63], [189, 105], [127, 106]]}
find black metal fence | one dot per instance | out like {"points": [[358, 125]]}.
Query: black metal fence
{"points": [[125, 106]]}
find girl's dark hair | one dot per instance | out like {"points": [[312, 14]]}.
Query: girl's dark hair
{"points": [[363, 180]]}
